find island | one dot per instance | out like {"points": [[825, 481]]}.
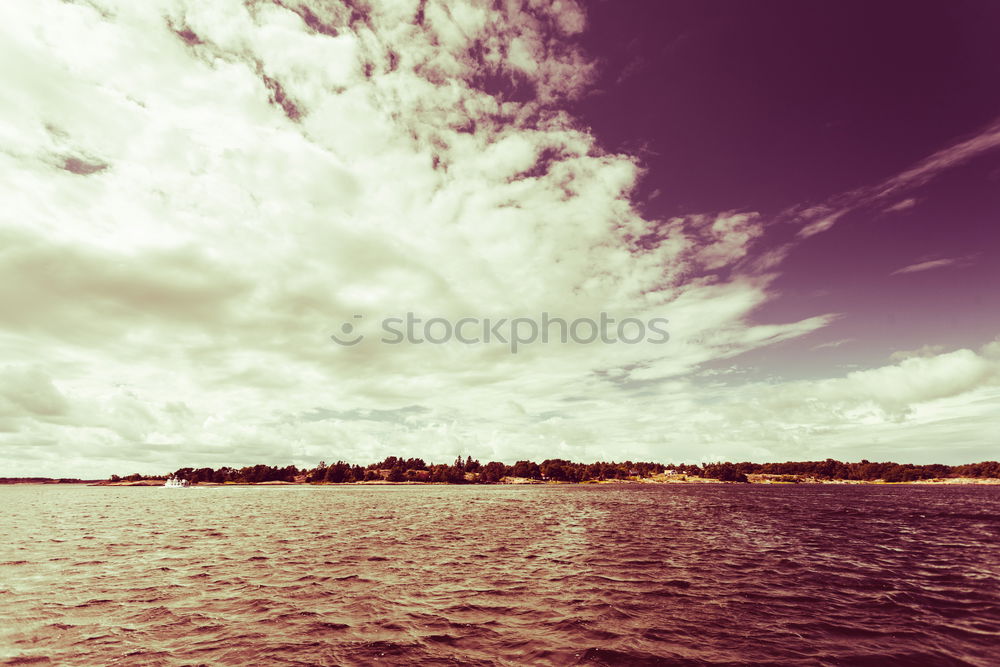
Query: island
{"points": [[398, 470]]}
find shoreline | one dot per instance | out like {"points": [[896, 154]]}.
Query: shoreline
{"points": [[755, 479], [943, 481]]}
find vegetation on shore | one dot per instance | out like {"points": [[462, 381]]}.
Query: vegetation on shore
{"points": [[471, 471]]}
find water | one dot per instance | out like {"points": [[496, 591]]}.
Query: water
{"points": [[630, 574]]}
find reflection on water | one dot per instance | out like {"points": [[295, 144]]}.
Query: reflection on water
{"points": [[675, 575]]}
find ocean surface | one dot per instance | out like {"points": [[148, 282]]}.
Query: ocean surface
{"points": [[498, 575]]}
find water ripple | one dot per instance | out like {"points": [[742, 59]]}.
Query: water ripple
{"points": [[551, 575]]}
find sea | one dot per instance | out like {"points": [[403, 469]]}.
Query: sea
{"points": [[615, 574]]}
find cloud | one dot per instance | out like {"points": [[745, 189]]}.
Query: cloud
{"points": [[987, 139], [901, 205], [883, 412], [924, 351], [834, 343], [29, 391], [933, 264], [896, 389], [820, 218]]}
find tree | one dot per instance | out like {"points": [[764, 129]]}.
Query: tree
{"points": [[492, 472], [556, 470], [337, 473], [725, 472], [527, 469]]}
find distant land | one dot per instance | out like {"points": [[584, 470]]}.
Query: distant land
{"points": [[398, 470], [47, 480]]}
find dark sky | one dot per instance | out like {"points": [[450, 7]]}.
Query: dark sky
{"points": [[766, 105]]}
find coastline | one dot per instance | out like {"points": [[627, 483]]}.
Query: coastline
{"points": [[943, 481]]}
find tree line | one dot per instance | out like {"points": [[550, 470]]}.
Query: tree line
{"points": [[863, 470], [471, 471]]}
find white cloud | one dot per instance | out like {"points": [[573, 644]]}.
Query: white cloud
{"points": [[923, 351], [901, 205], [820, 218], [928, 265], [29, 392], [930, 408], [834, 343]]}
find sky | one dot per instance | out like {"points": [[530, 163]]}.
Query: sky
{"points": [[200, 199]]}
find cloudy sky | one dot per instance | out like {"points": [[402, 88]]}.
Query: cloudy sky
{"points": [[197, 194]]}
